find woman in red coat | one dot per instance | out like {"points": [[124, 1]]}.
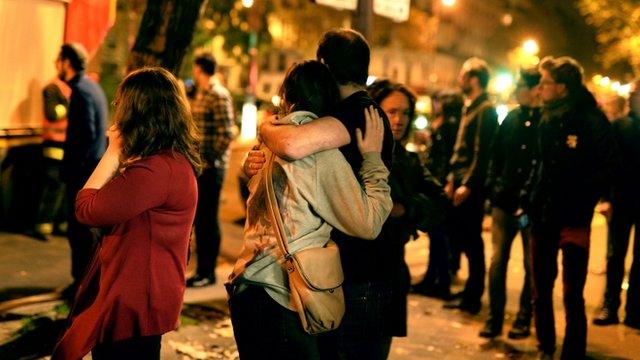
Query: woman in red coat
{"points": [[144, 191]]}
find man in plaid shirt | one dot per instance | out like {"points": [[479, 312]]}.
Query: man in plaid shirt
{"points": [[212, 109]]}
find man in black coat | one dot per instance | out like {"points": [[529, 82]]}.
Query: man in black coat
{"points": [[624, 214], [576, 164], [84, 145], [467, 175], [511, 163]]}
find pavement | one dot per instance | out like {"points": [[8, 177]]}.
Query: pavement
{"points": [[29, 267]]}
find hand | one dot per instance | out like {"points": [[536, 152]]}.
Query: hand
{"points": [[267, 124], [115, 141], [518, 212], [605, 209], [397, 210], [374, 132], [448, 190], [254, 162], [461, 195]]}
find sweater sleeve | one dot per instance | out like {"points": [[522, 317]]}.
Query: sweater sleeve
{"points": [[141, 186], [356, 210]]}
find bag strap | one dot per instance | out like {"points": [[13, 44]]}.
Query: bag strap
{"points": [[273, 209]]}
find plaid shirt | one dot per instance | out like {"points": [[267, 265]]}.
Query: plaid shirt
{"points": [[212, 111]]}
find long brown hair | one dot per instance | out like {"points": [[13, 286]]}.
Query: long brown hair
{"points": [[152, 114]]}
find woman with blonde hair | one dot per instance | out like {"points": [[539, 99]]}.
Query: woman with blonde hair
{"points": [[144, 192]]}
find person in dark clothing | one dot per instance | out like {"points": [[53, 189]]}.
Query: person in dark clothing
{"points": [[511, 163], [368, 283], [443, 260], [623, 214], [84, 146], [576, 164], [466, 180], [212, 110], [50, 211], [418, 198]]}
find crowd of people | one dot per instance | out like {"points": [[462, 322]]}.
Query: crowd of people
{"points": [[334, 166]]}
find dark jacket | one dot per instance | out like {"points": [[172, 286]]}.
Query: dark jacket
{"points": [[472, 151], [512, 157], [361, 259], [577, 163], [424, 202], [626, 187], [443, 140], [86, 140]]}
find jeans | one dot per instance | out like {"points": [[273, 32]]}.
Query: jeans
{"points": [[546, 242], [362, 333], [207, 226], [624, 216], [145, 347], [504, 229], [264, 329], [465, 231]]}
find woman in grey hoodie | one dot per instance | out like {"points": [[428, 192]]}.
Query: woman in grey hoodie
{"points": [[315, 194]]}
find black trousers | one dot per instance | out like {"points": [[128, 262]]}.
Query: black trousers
{"points": [[545, 245], [207, 226], [264, 329], [81, 239], [146, 347], [465, 232], [626, 214]]}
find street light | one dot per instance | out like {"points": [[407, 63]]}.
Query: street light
{"points": [[448, 3], [530, 47], [247, 3]]}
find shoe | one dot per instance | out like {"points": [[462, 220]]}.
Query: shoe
{"points": [[199, 281], [432, 290], [632, 323], [490, 331], [472, 308], [519, 331], [35, 234], [606, 317]]}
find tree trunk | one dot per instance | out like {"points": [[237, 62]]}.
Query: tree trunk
{"points": [[165, 34]]}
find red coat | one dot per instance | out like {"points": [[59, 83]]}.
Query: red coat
{"points": [[135, 283]]}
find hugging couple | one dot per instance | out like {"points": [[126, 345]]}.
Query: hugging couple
{"points": [[333, 147]]}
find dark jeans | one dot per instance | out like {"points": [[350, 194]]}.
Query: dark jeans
{"points": [[81, 239], [146, 347], [504, 229], [546, 242], [623, 218], [465, 231], [362, 334], [438, 270], [207, 226], [263, 329]]}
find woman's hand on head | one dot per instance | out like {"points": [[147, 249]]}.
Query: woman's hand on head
{"points": [[374, 132]]}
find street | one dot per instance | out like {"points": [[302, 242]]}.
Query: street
{"points": [[30, 267]]}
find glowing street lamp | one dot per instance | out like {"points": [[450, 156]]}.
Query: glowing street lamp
{"points": [[247, 3], [448, 3], [530, 47]]}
